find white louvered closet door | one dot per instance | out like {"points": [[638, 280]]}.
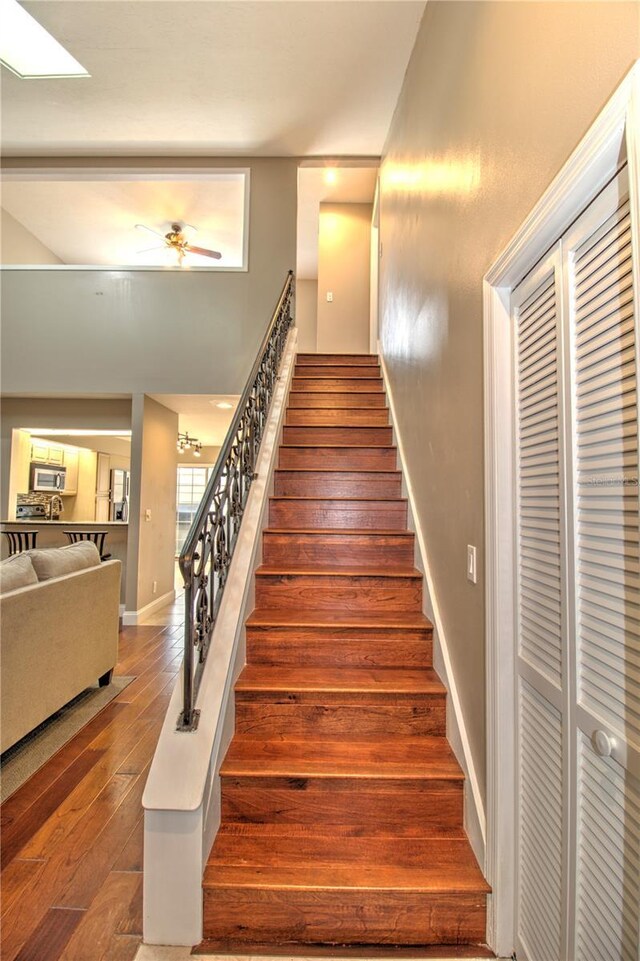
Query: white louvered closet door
{"points": [[601, 338], [540, 696], [578, 594]]}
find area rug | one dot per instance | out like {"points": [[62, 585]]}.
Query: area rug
{"points": [[19, 762]]}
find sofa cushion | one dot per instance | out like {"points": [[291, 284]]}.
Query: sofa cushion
{"points": [[15, 572], [57, 561]]}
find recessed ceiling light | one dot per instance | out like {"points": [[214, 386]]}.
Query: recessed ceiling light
{"points": [[29, 51], [330, 175], [224, 405]]}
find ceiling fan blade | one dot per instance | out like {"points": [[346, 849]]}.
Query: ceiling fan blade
{"points": [[148, 250], [204, 252], [154, 232]]}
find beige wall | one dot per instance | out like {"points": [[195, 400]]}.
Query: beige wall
{"points": [[495, 98], [307, 315], [19, 246], [344, 268], [153, 488], [143, 331]]}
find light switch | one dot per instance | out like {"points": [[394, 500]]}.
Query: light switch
{"points": [[329, 296], [147, 514], [471, 564]]}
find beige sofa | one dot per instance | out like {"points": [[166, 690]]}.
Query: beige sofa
{"points": [[58, 634]]}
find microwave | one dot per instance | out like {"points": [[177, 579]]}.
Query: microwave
{"points": [[45, 478]]}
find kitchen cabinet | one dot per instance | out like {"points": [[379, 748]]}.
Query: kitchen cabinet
{"points": [[43, 454], [70, 461]]}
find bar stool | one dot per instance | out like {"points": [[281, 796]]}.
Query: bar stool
{"points": [[20, 541], [98, 538]]}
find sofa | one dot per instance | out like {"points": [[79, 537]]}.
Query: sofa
{"points": [[59, 611]]}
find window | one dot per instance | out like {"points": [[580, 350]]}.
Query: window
{"points": [[191, 485]]}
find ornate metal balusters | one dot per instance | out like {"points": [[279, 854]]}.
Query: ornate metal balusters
{"points": [[208, 548]]}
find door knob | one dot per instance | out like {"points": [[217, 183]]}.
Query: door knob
{"points": [[602, 743]]}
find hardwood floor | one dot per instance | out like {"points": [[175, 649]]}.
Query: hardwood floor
{"points": [[72, 835]]}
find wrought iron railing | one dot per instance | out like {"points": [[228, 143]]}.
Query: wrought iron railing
{"points": [[209, 545]]}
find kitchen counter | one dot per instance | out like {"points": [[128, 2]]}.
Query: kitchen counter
{"points": [[51, 534]]}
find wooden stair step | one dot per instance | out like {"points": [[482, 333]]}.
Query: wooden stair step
{"points": [[337, 417], [328, 399], [340, 384], [333, 359], [390, 758], [367, 589], [362, 681], [337, 457], [330, 436], [333, 620], [325, 702], [362, 890], [339, 647], [379, 787], [311, 482], [337, 547], [337, 370], [435, 865], [338, 512]]}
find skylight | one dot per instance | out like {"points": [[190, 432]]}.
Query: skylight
{"points": [[29, 51]]}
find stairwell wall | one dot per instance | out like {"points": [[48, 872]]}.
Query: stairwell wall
{"points": [[495, 98]]}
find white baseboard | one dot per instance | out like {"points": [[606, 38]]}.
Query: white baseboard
{"points": [[132, 618], [474, 810]]}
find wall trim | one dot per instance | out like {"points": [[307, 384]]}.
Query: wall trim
{"points": [[474, 813], [132, 618], [614, 134]]}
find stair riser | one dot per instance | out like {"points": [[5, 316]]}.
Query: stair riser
{"points": [[341, 384], [325, 916], [310, 592], [339, 370], [374, 807], [336, 458], [348, 436], [338, 484], [340, 550], [327, 714], [330, 399], [337, 418], [353, 360], [291, 647], [341, 515]]}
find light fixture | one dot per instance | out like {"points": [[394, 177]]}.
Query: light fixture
{"points": [[29, 51], [224, 405], [330, 175], [185, 442]]}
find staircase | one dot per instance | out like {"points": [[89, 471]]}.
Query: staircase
{"points": [[342, 802]]}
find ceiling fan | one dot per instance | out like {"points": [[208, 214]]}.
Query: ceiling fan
{"points": [[177, 240]]}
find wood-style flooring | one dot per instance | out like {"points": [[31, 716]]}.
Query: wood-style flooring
{"points": [[71, 836]]}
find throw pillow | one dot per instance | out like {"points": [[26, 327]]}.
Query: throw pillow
{"points": [[57, 561], [15, 572]]}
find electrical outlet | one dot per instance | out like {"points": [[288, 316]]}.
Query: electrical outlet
{"points": [[329, 296], [471, 564], [155, 587]]}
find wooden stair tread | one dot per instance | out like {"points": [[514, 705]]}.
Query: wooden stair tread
{"points": [[260, 677], [409, 620], [335, 446], [324, 570], [243, 859], [339, 470], [352, 500], [428, 758], [342, 531]]}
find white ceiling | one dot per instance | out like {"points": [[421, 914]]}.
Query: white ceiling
{"points": [[199, 415], [354, 185], [93, 222], [224, 77]]}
